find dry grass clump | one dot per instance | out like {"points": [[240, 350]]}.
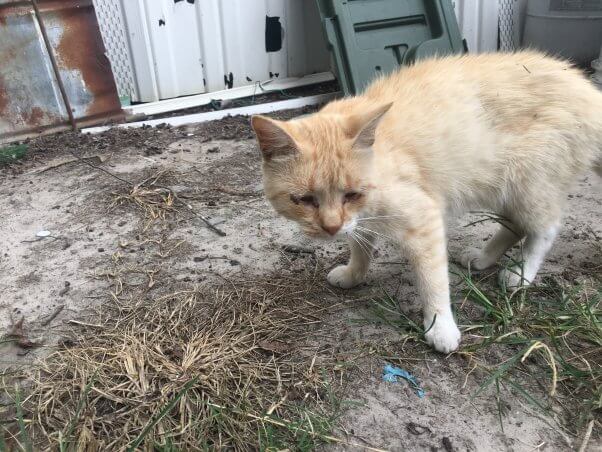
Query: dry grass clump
{"points": [[195, 369], [150, 196]]}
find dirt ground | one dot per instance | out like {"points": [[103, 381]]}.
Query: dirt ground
{"points": [[52, 282]]}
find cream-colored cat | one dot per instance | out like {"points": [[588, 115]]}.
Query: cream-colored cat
{"points": [[508, 133]]}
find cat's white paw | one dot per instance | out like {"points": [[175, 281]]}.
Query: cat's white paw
{"points": [[475, 259], [343, 277], [444, 335], [511, 278]]}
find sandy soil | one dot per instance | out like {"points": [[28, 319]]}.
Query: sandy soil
{"points": [[49, 282]]}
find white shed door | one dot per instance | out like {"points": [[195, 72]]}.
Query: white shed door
{"points": [[165, 45]]}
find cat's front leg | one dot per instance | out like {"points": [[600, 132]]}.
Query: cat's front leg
{"points": [[427, 250], [354, 273]]}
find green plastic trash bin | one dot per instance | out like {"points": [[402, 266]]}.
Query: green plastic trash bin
{"points": [[370, 37]]}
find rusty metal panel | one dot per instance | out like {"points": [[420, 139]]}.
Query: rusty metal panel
{"points": [[30, 99]]}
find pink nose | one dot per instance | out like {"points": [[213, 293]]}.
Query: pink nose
{"points": [[332, 230]]}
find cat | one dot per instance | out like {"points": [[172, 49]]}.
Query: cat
{"points": [[504, 132]]}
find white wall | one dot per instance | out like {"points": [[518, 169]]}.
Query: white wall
{"points": [[478, 21], [182, 48]]}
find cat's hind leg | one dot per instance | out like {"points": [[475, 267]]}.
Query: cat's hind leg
{"points": [[537, 244], [481, 258], [354, 273]]}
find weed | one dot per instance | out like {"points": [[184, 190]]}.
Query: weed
{"points": [[11, 154]]}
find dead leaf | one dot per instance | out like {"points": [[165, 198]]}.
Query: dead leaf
{"points": [[18, 334]]}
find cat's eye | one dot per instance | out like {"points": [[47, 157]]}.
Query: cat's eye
{"points": [[308, 200], [352, 196]]}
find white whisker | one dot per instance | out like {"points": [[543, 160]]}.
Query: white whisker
{"points": [[369, 242], [370, 231], [381, 217], [359, 244], [360, 239], [364, 244]]}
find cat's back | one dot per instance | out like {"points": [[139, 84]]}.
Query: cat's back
{"points": [[506, 113], [522, 71], [502, 86]]}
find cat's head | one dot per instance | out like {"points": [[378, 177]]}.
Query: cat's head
{"points": [[318, 169]]}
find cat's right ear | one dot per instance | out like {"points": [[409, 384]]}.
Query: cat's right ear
{"points": [[363, 126], [273, 140]]}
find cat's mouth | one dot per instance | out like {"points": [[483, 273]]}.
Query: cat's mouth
{"points": [[345, 231]]}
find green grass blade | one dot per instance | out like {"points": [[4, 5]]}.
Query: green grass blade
{"points": [[522, 391], [500, 414], [501, 371], [2, 442], [11, 153], [155, 419], [65, 438], [25, 439]]}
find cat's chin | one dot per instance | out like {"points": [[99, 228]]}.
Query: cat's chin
{"points": [[321, 237], [327, 237]]}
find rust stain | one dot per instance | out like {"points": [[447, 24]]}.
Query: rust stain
{"points": [[35, 116], [81, 48], [80, 51], [3, 97], [4, 13]]}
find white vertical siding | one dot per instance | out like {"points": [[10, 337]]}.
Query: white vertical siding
{"points": [[478, 21], [182, 48]]}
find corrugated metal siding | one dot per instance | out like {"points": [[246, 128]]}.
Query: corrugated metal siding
{"points": [[30, 100]]}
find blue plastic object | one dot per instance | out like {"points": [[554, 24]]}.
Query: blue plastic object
{"points": [[392, 374]]}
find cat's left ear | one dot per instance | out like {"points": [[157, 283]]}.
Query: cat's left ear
{"points": [[273, 139], [362, 127]]}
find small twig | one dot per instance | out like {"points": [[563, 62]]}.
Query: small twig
{"points": [[586, 437], [92, 325], [33, 241], [83, 160], [56, 312], [94, 158], [200, 217], [39, 239], [204, 258], [276, 405], [295, 249], [230, 191]]}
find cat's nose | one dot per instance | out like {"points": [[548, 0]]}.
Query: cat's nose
{"points": [[333, 229]]}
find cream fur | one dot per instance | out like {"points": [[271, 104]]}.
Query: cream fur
{"points": [[507, 133]]}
